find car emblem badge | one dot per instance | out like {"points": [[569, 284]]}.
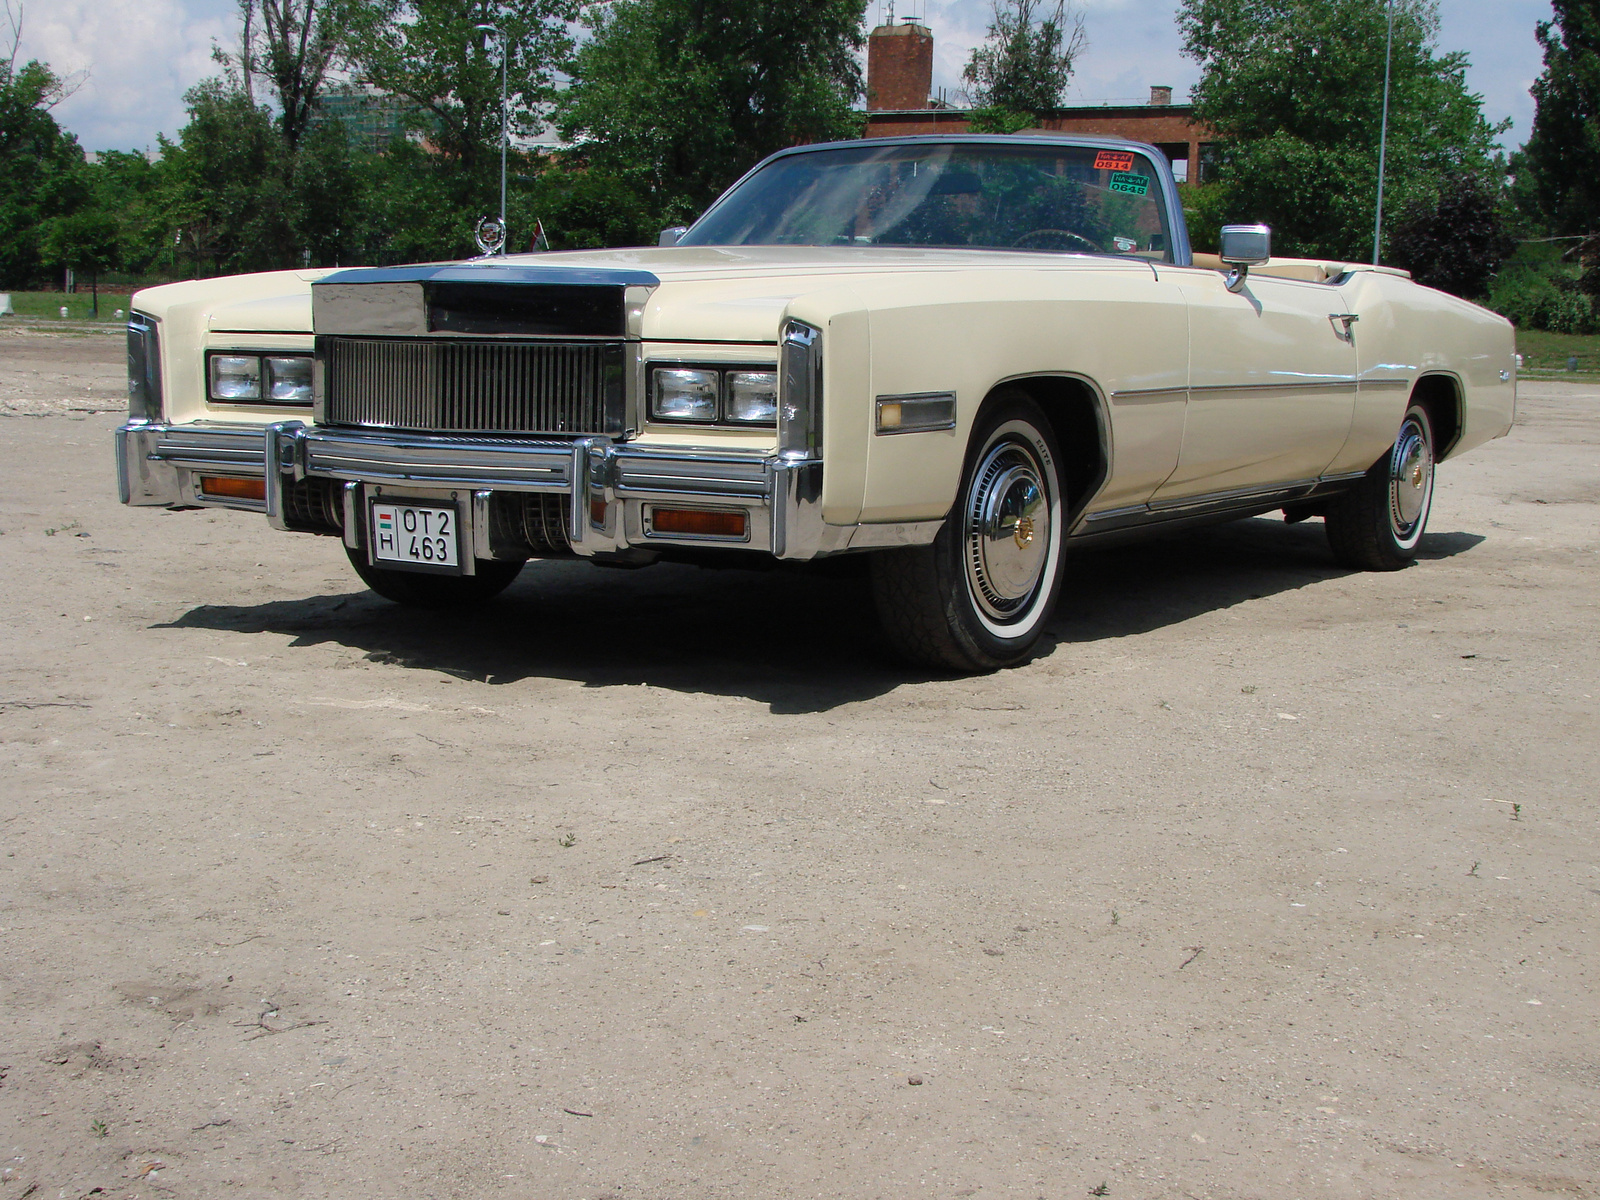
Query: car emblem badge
{"points": [[1024, 532], [490, 234]]}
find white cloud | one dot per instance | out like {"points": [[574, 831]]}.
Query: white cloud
{"points": [[135, 59]]}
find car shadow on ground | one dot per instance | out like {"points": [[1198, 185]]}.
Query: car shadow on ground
{"points": [[798, 640]]}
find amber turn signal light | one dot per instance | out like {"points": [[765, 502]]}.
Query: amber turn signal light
{"points": [[698, 522], [233, 489]]}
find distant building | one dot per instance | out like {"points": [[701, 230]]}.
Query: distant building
{"points": [[372, 118], [900, 101]]}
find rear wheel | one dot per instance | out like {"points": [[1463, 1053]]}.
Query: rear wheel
{"points": [[1378, 524], [417, 590], [978, 597]]}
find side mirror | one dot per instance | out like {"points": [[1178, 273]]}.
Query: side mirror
{"points": [[669, 237], [1243, 247]]}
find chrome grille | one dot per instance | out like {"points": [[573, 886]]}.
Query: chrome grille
{"points": [[461, 386]]}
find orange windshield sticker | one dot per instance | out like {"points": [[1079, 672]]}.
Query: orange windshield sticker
{"points": [[1113, 160]]}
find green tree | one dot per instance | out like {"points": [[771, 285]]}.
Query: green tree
{"points": [[297, 45], [40, 165], [431, 53], [1456, 241], [225, 189], [87, 241], [1025, 62], [677, 98], [130, 189], [1560, 162], [1294, 88]]}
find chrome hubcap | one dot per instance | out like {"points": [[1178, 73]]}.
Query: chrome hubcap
{"points": [[1007, 529], [1410, 479]]}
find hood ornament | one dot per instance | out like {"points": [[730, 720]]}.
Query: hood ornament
{"points": [[490, 234]]}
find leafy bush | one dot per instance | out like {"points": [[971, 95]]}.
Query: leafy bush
{"points": [[1536, 290]]}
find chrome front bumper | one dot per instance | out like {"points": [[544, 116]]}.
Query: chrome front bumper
{"points": [[613, 486]]}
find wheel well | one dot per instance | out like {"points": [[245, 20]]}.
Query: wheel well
{"points": [[1073, 409], [1440, 398]]}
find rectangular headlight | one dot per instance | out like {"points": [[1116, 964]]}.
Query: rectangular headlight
{"points": [[753, 397], [235, 377], [291, 379], [685, 394]]}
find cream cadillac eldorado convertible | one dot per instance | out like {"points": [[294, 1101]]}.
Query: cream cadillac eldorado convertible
{"points": [[963, 357]]}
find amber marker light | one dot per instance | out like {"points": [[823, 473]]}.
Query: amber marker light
{"points": [[918, 413], [234, 489], [698, 522]]}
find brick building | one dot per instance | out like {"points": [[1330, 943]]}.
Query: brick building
{"points": [[900, 81]]}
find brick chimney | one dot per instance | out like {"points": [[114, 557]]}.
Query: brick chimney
{"points": [[900, 66], [1160, 94]]}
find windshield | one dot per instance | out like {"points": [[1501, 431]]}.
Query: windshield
{"points": [[984, 196]]}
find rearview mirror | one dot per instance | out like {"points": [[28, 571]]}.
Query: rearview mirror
{"points": [[669, 237], [1243, 247]]}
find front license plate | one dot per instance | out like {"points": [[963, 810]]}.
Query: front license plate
{"points": [[414, 535]]}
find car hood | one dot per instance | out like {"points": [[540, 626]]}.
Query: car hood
{"points": [[739, 293]]}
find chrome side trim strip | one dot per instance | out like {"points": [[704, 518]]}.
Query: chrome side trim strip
{"points": [[898, 533], [1239, 496], [1242, 499], [1310, 385], [1381, 385], [1141, 395]]}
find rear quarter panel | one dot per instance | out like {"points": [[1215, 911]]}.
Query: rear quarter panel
{"points": [[1410, 331]]}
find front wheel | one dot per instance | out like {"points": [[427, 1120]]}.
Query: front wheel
{"points": [[1377, 525], [415, 589], [978, 597]]}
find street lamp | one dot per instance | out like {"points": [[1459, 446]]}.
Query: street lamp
{"points": [[1383, 135], [500, 37]]}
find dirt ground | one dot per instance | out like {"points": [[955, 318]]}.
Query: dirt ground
{"points": [[1264, 881]]}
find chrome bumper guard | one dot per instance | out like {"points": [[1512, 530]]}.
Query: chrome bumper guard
{"points": [[613, 486], [162, 464]]}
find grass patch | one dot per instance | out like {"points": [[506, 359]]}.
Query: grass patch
{"points": [[50, 304], [1547, 354]]}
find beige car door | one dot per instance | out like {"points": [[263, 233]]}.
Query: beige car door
{"points": [[1272, 385]]}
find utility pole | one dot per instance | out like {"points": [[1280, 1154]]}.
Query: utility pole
{"points": [[500, 37], [1383, 136]]}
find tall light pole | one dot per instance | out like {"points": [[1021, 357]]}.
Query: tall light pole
{"points": [[1383, 135], [500, 37]]}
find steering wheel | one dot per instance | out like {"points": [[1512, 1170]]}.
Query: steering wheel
{"points": [[1047, 235]]}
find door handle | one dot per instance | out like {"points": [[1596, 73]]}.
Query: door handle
{"points": [[1347, 320]]}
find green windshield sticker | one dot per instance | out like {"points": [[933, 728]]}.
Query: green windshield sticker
{"points": [[1127, 181]]}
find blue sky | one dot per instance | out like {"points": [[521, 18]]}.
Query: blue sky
{"points": [[133, 59]]}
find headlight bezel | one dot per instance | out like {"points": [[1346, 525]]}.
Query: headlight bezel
{"points": [[724, 374], [145, 400], [267, 378]]}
